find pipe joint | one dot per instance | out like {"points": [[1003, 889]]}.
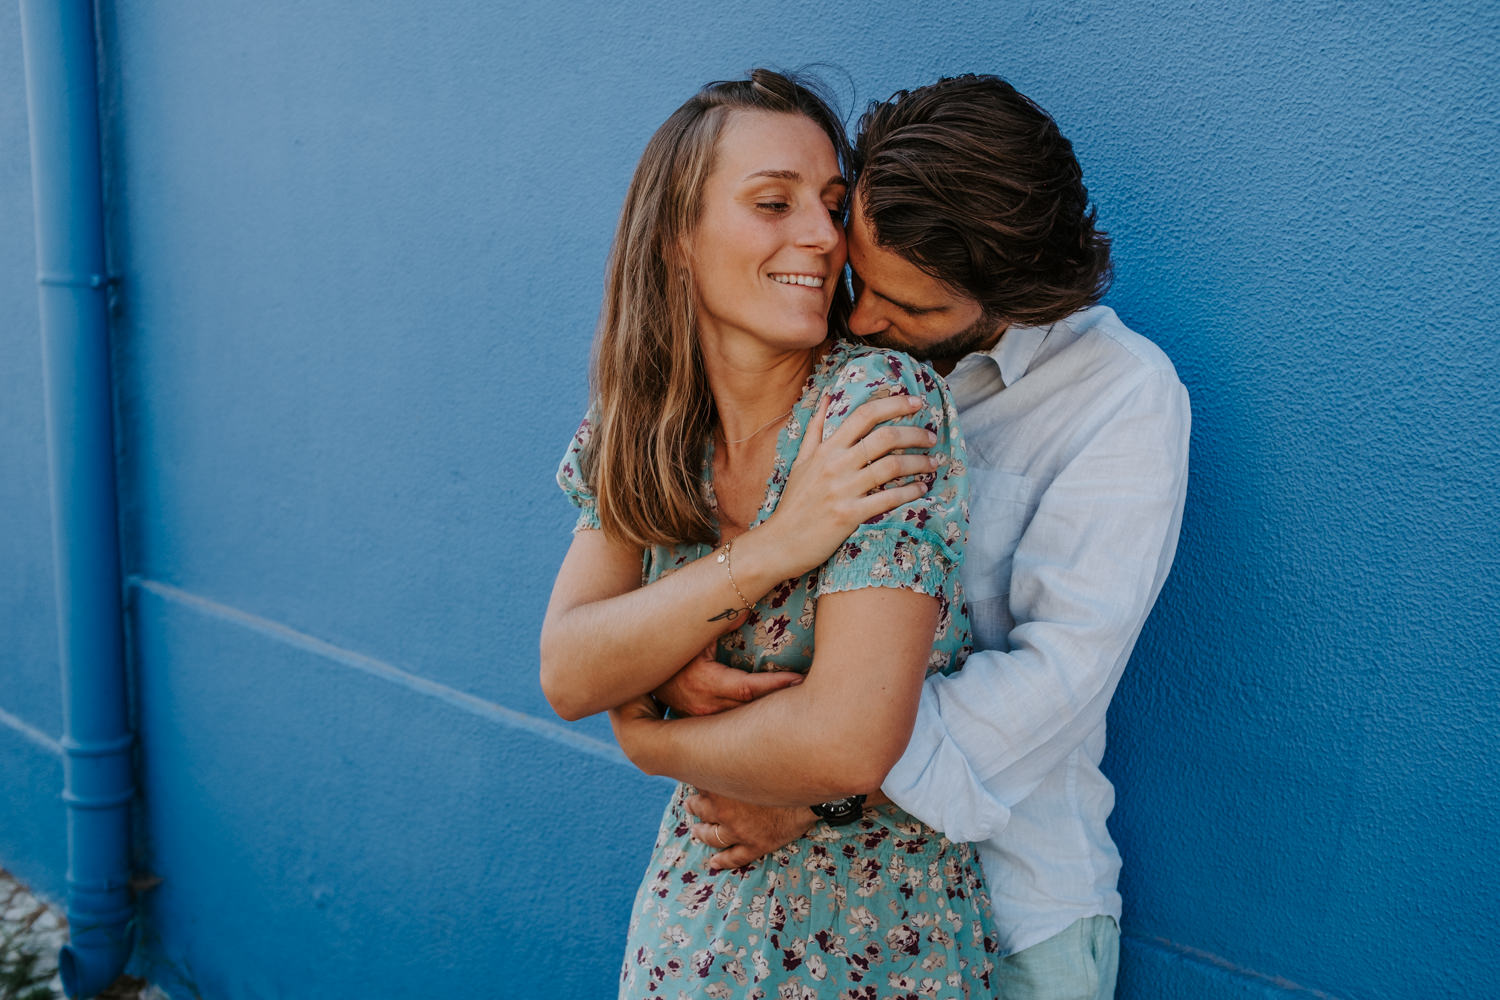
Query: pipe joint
{"points": [[97, 748]]}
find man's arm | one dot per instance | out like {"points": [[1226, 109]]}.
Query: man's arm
{"points": [[1085, 574]]}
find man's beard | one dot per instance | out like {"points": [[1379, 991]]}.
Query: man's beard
{"points": [[981, 335]]}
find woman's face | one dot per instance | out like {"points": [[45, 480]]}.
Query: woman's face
{"points": [[768, 250]]}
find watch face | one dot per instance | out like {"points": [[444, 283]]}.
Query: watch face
{"points": [[841, 811]]}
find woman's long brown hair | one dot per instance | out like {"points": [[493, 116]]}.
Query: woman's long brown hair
{"points": [[651, 404]]}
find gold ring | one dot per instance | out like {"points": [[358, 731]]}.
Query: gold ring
{"points": [[719, 835]]}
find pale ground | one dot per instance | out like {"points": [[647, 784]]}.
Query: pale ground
{"points": [[41, 928]]}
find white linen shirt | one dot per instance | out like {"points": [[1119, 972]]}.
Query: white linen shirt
{"points": [[1078, 470]]}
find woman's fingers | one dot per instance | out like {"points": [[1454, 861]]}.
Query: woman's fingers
{"points": [[706, 687], [884, 501], [869, 414], [896, 467], [894, 437], [755, 685], [813, 436]]}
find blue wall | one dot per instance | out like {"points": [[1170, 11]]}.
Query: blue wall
{"points": [[361, 248], [31, 769]]}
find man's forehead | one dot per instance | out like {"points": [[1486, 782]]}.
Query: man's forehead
{"points": [[890, 276]]}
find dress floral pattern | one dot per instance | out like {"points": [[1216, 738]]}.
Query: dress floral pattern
{"points": [[887, 906]]}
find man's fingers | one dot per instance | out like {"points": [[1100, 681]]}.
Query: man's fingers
{"points": [[712, 835], [755, 685], [867, 415], [701, 806], [737, 856]]}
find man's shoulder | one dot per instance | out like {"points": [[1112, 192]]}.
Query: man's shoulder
{"points": [[1129, 354]]}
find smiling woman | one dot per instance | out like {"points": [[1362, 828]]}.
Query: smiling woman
{"points": [[770, 242], [706, 542]]}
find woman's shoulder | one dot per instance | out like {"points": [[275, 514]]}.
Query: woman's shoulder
{"points": [[855, 372], [573, 479]]}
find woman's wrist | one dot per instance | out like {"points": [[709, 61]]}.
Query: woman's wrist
{"points": [[761, 560]]}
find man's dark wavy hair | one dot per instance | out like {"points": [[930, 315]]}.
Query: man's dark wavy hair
{"points": [[973, 183]]}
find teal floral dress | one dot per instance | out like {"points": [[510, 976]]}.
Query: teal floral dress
{"points": [[884, 907]]}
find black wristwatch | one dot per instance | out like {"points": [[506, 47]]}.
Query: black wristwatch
{"points": [[840, 812]]}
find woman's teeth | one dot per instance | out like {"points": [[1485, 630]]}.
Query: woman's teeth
{"points": [[798, 279]]}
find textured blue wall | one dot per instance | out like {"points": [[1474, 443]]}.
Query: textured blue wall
{"points": [[361, 249], [31, 771]]}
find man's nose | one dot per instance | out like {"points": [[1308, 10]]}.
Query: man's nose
{"points": [[866, 318]]}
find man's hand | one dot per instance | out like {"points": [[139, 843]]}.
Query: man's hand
{"points": [[746, 832], [705, 686]]}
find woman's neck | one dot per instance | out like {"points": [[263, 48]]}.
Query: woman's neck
{"points": [[753, 390]]}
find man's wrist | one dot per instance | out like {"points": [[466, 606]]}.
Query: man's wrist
{"points": [[840, 812]]}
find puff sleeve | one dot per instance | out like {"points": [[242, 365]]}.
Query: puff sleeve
{"points": [[919, 545], [570, 478]]}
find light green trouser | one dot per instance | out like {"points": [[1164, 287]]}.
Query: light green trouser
{"points": [[1077, 964]]}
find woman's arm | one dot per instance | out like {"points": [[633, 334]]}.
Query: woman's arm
{"points": [[607, 639], [835, 734]]}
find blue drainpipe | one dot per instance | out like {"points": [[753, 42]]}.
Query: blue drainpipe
{"points": [[62, 100]]}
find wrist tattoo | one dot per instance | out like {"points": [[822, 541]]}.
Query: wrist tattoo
{"points": [[728, 614]]}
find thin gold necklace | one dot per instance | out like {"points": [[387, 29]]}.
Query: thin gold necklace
{"points": [[757, 430]]}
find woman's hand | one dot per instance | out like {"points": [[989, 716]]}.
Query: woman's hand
{"points": [[834, 485], [705, 686]]}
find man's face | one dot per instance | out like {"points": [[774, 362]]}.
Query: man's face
{"points": [[898, 305]]}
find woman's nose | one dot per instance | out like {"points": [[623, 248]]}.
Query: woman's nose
{"points": [[821, 230]]}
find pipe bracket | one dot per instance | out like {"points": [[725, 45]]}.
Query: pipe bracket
{"points": [[68, 280]]}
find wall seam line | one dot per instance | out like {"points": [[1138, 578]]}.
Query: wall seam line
{"points": [[1221, 965], [495, 712], [31, 733]]}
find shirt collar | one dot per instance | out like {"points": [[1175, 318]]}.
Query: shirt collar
{"points": [[1015, 350]]}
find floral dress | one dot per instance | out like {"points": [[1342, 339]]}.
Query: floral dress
{"points": [[886, 906]]}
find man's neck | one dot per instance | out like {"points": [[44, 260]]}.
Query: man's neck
{"points": [[944, 366]]}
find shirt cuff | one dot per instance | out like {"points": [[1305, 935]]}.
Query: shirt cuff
{"points": [[934, 782]]}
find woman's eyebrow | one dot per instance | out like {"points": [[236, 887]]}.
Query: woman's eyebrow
{"points": [[837, 180]]}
